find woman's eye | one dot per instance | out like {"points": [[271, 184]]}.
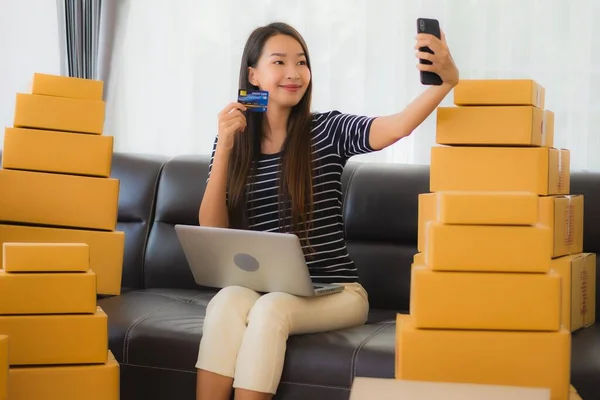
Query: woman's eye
{"points": [[278, 62], [302, 62]]}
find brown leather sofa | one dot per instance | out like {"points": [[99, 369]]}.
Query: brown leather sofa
{"points": [[156, 324]]}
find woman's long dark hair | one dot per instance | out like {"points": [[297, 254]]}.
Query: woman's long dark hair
{"points": [[296, 172]]}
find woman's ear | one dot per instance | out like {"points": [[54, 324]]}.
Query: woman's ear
{"points": [[252, 76]]}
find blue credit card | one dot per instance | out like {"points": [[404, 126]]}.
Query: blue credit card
{"points": [[254, 100]]}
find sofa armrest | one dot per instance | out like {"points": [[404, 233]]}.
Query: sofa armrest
{"points": [[585, 362]]}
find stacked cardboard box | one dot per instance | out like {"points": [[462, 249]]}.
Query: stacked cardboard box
{"points": [[393, 389], [55, 173], [487, 293], [3, 367], [60, 247], [48, 309]]}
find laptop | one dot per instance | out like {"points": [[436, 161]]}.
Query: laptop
{"points": [[265, 262]]}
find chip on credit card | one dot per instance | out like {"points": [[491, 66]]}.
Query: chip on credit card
{"points": [[254, 100]]}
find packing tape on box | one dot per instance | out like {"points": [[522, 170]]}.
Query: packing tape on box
{"points": [[538, 96], [584, 290], [559, 163], [570, 221], [561, 177], [544, 130]]}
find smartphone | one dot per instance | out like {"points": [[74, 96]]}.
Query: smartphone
{"points": [[432, 27]]}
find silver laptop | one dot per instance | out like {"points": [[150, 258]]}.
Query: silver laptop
{"points": [[262, 261]]}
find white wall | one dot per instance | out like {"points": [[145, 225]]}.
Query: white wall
{"points": [[178, 62], [171, 53], [29, 42]]}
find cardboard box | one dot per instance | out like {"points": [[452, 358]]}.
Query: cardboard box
{"points": [[512, 358], [47, 293], [393, 389], [495, 126], [573, 395], [487, 248], [564, 215], [578, 273], [52, 151], [59, 200], [419, 259], [106, 249], [541, 170], [56, 339], [45, 257], [59, 114], [494, 301], [66, 382], [65, 86], [476, 208], [3, 367], [499, 92]]}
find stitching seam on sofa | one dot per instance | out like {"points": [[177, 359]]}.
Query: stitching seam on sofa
{"points": [[174, 297], [136, 323], [151, 220], [359, 348], [166, 296], [315, 386], [126, 364]]}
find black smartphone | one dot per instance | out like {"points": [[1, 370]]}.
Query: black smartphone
{"points": [[432, 27]]}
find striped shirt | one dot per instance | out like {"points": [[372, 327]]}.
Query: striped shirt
{"points": [[336, 137]]}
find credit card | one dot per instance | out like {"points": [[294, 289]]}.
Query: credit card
{"points": [[254, 100]]}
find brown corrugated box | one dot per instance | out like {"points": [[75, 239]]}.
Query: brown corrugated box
{"points": [[106, 249], [578, 273], [495, 126], [60, 152], [541, 170], [59, 200], [499, 92]]}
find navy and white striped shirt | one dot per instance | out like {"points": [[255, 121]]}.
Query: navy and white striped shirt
{"points": [[336, 137]]}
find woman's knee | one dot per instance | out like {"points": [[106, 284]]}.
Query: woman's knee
{"points": [[270, 309], [232, 300]]}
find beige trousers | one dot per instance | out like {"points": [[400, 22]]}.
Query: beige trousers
{"points": [[245, 334]]}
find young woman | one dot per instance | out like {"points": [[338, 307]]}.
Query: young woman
{"points": [[280, 171]]}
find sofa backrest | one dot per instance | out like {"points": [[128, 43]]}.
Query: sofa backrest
{"points": [[138, 181], [380, 212], [180, 190], [380, 209], [380, 215]]}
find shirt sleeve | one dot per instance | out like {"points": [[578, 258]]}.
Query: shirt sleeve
{"points": [[349, 133], [212, 157]]}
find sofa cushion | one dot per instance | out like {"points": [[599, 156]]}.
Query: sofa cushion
{"points": [[384, 271], [171, 320], [138, 176], [180, 190], [143, 319], [390, 213]]}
